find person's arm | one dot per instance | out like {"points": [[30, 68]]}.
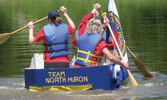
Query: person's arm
{"points": [[64, 12], [84, 21], [74, 44], [70, 30], [31, 33], [90, 15], [114, 59]]}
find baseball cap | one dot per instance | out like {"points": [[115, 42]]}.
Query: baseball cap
{"points": [[52, 15]]}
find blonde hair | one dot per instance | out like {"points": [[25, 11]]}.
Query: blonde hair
{"points": [[94, 26], [57, 20]]}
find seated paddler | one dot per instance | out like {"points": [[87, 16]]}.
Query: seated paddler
{"points": [[55, 39], [90, 44]]}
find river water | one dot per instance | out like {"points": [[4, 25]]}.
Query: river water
{"points": [[144, 24]]}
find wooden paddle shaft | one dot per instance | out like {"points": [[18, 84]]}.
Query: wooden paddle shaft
{"points": [[131, 78], [140, 65], [104, 15], [27, 26]]}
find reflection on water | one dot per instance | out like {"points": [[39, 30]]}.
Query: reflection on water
{"points": [[144, 24]]}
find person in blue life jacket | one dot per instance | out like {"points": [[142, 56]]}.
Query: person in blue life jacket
{"points": [[91, 45], [55, 38]]}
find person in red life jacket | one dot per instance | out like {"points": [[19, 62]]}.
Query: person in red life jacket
{"points": [[90, 44], [55, 38]]}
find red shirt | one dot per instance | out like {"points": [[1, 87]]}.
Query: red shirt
{"points": [[82, 26], [40, 36], [81, 30]]}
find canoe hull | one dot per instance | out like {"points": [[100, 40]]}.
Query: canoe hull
{"points": [[97, 77]]}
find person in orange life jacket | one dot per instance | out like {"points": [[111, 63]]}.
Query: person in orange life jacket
{"points": [[90, 45], [55, 38]]}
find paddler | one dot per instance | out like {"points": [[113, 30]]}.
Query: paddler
{"points": [[89, 42], [55, 38]]}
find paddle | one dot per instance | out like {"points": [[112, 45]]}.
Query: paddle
{"points": [[140, 65], [131, 78], [5, 36]]}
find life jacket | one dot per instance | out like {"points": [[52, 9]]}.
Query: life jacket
{"points": [[104, 36], [86, 46], [107, 36], [56, 40]]}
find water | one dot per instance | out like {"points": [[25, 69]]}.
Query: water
{"points": [[144, 24], [13, 89]]}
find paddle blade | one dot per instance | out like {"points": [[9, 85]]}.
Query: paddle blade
{"points": [[132, 80], [4, 37], [143, 69], [140, 65]]}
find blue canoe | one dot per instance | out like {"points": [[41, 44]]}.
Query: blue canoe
{"points": [[67, 79]]}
